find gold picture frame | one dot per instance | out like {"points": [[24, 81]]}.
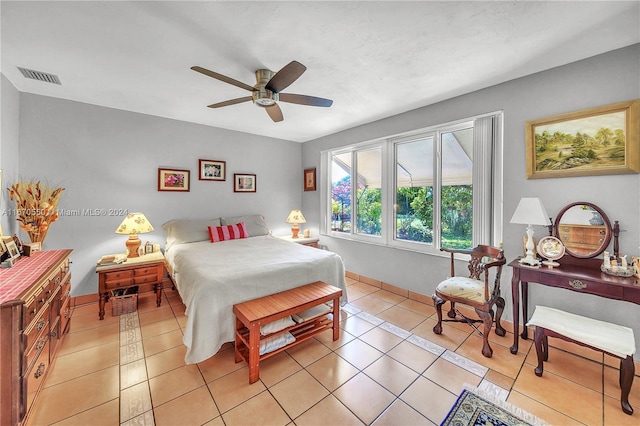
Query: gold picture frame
{"points": [[603, 140]]}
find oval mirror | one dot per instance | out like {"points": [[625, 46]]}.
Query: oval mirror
{"points": [[584, 229]]}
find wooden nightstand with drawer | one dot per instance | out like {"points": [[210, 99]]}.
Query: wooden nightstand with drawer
{"points": [[305, 241], [145, 270]]}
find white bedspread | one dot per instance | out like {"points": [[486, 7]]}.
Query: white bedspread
{"points": [[211, 278]]}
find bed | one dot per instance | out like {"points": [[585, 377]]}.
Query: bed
{"points": [[212, 277]]}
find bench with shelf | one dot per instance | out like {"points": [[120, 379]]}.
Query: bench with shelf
{"points": [[253, 314]]}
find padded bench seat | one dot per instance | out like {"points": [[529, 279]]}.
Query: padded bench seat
{"points": [[612, 339]]}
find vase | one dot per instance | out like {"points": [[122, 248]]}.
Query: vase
{"points": [[596, 218]]}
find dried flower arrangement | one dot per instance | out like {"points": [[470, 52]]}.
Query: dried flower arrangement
{"points": [[37, 207]]}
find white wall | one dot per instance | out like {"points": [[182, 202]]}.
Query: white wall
{"points": [[604, 79], [109, 159], [9, 138]]}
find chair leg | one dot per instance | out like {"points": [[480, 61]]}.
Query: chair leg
{"points": [[627, 370], [452, 311], [438, 302], [540, 341], [487, 319], [500, 331]]}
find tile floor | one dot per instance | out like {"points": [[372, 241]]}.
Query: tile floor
{"points": [[388, 367]]}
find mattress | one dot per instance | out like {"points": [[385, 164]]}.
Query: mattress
{"points": [[212, 277]]}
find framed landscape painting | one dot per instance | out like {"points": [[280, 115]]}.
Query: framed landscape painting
{"points": [[597, 141]]}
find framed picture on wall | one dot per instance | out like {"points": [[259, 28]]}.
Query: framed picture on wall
{"points": [[244, 182], [598, 141], [213, 170], [310, 179], [175, 180]]}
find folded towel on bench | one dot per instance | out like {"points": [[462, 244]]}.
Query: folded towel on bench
{"points": [[615, 339], [272, 343]]}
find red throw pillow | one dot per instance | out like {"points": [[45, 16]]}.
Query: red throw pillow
{"points": [[227, 232]]}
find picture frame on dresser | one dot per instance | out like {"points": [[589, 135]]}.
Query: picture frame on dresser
{"points": [[12, 250], [603, 140]]}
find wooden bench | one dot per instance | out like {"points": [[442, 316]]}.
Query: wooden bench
{"points": [[612, 339], [253, 314]]}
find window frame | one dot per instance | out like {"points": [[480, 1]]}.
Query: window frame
{"points": [[491, 232]]}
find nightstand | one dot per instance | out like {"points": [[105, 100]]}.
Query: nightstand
{"points": [[308, 241], [146, 269]]}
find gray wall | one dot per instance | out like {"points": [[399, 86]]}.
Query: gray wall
{"points": [[604, 79], [109, 159], [9, 137]]}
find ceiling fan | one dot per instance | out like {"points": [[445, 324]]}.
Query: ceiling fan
{"points": [[268, 89]]}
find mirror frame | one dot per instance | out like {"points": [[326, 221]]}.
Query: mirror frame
{"points": [[607, 223]]}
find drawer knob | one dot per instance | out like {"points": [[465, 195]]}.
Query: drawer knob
{"points": [[577, 284], [41, 324], [40, 371], [41, 344]]}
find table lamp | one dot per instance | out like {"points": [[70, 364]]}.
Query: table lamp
{"points": [[530, 211], [132, 225], [295, 217]]}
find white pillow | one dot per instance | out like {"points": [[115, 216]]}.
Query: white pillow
{"points": [[255, 224], [183, 231]]}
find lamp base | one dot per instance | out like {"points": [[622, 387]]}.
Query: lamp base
{"points": [[295, 230], [529, 261], [133, 244]]}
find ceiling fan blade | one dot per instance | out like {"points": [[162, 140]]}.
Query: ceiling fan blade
{"points": [[305, 100], [224, 78], [274, 112], [287, 75], [230, 102]]}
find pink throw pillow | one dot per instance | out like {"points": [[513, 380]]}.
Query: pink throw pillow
{"points": [[227, 232]]}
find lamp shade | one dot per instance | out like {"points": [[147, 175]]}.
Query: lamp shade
{"points": [[134, 223], [296, 217], [530, 211]]}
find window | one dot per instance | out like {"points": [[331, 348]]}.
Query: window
{"points": [[443, 188]]}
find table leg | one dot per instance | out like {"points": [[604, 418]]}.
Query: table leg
{"points": [[515, 301], [254, 353], [336, 318], [158, 289], [103, 299], [525, 309]]}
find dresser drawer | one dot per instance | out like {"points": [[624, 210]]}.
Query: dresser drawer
{"points": [[32, 332], [34, 305], [33, 378], [118, 275], [145, 279], [38, 341], [152, 270], [591, 287]]}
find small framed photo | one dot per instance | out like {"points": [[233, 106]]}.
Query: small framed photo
{"points": [[3, 249], [16, 240], [244, 182], [14, 253], [175, 180], [310, 179], [213, 170]]}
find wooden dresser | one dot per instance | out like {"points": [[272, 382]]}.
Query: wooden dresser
{"points": [[582, 239], [34, 317]]}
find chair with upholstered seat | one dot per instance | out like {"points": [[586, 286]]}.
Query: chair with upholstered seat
{"points": [[477, 291]]}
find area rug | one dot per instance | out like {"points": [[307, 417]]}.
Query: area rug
{"points": [[475, 408]]}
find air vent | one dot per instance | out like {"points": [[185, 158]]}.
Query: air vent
{"points": [[40, 76]]}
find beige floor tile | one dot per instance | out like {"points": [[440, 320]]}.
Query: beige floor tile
{"points": [[381, 339], [220, 365], [388, 296], [356, 326], [297, 393], [162, 342], [401, 317], [329, 411], [87, 361], [613, 414], [359, 353], [278, 368], [175, 383], [417, 307], [505, 382], [412, 356], [450, 376], [85, 339], [436, 406], [234, 389], [612, 385], [86, 392], [391, 374], [542, 411], [332, 371], [134, 401], [107, 414], [364, 397], [502, 361], [89, 321], [192, 408], [262, 409], [399, 413], [132, 373], [551, 390], [371, 304], [165, 361], [451, 338], [362, 287], [159, 327], [326, 338], [308, 352], [158, 314]]}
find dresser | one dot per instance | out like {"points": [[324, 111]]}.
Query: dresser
{"points": [[581, 239], [34, 317]]}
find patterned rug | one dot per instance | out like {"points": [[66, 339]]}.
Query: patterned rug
{"points": [[473, 408]]}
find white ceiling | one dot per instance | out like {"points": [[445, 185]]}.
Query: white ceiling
{"points": [[374, 59]]}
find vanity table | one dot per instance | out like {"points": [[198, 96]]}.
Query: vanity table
{"points": [[579, 270]]}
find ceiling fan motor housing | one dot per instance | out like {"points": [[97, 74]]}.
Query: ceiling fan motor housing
{"points": [[262, 96]]}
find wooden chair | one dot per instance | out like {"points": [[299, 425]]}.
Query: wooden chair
{"points": [[474, 291]]}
